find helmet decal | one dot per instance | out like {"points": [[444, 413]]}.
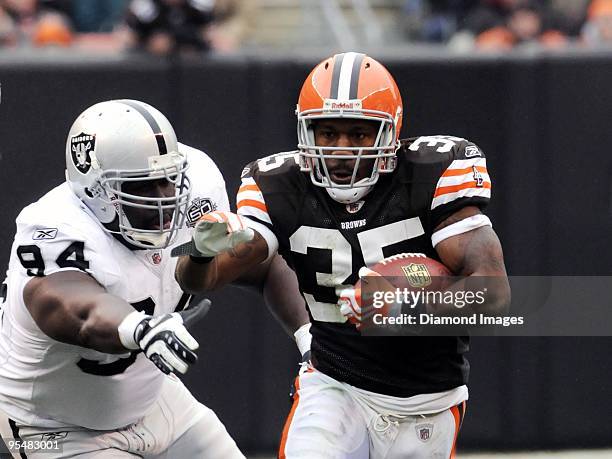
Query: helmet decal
{"points": [[345, 78], [81, 147]]}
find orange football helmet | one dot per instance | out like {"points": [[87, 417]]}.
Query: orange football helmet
{"points": [[349, 85]]}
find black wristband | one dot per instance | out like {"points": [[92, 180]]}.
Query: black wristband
{"points": [[200, 260]]}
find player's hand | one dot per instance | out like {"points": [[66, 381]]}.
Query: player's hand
{"points": [[164, 339], [350, 302], [218, 232], [359, 309], [214, 233], [350, 306]]}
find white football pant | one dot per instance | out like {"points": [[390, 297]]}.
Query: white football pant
{"points": [[177, 426], [328, 420]]}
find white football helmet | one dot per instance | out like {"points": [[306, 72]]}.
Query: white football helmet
{"points": [[120, 141]]}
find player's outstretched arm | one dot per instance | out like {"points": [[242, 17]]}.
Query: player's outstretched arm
{"points": [[215, 257], [71, 307], [477, 255], [222, 250]]}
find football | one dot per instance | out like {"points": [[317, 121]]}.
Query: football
{"points": [[413, 271], [382, 288], [415, 267]]}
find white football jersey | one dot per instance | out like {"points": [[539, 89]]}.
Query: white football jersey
{"points": [[47, 383]]}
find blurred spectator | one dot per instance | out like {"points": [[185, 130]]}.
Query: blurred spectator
{"points": [[505, 24], [94, 16], [163, 27], [8, 29], [597, 30], [52, 29], [233, 23], [166, 26], [433, 21], [28, 22], [23, 15], [569, 15], [488, 14]]}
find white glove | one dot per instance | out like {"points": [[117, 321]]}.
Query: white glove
{"points": [[218, 232], [351, 299], [164, 339], [214, 233]]}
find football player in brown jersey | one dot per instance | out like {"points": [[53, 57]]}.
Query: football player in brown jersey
{"points": [[352, 194]]}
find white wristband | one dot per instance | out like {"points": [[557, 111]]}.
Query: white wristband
{"points": [[127, 328], [460, 227], [303, 338]]}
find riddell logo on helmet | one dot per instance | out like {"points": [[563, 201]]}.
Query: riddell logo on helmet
{"points": [[335, 104], [342, 105]]}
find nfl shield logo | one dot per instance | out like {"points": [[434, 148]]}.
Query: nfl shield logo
{"points": [[156, 258], [417, 274], [424, 431], [81, 146], [354, 207]]}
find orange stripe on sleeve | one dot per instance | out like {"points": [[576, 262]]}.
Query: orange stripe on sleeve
{"points": [[296, 400], [249, 188], [457, 416], [252, 203], [467, 170], [454, 188]]}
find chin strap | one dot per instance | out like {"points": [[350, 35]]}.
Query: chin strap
{"points": [[348, 195], [156, 241]]}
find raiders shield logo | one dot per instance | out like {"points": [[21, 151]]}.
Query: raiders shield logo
{"points": [[417, 274], [81, 146]]}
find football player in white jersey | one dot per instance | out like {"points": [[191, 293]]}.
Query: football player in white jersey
{"points": [[89, 336]]}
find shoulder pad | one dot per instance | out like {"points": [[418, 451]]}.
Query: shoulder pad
{"points": [[275, 164], [439, 148]]}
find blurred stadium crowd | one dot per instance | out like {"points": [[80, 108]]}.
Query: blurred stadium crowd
{"points": [[167, 26]]}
